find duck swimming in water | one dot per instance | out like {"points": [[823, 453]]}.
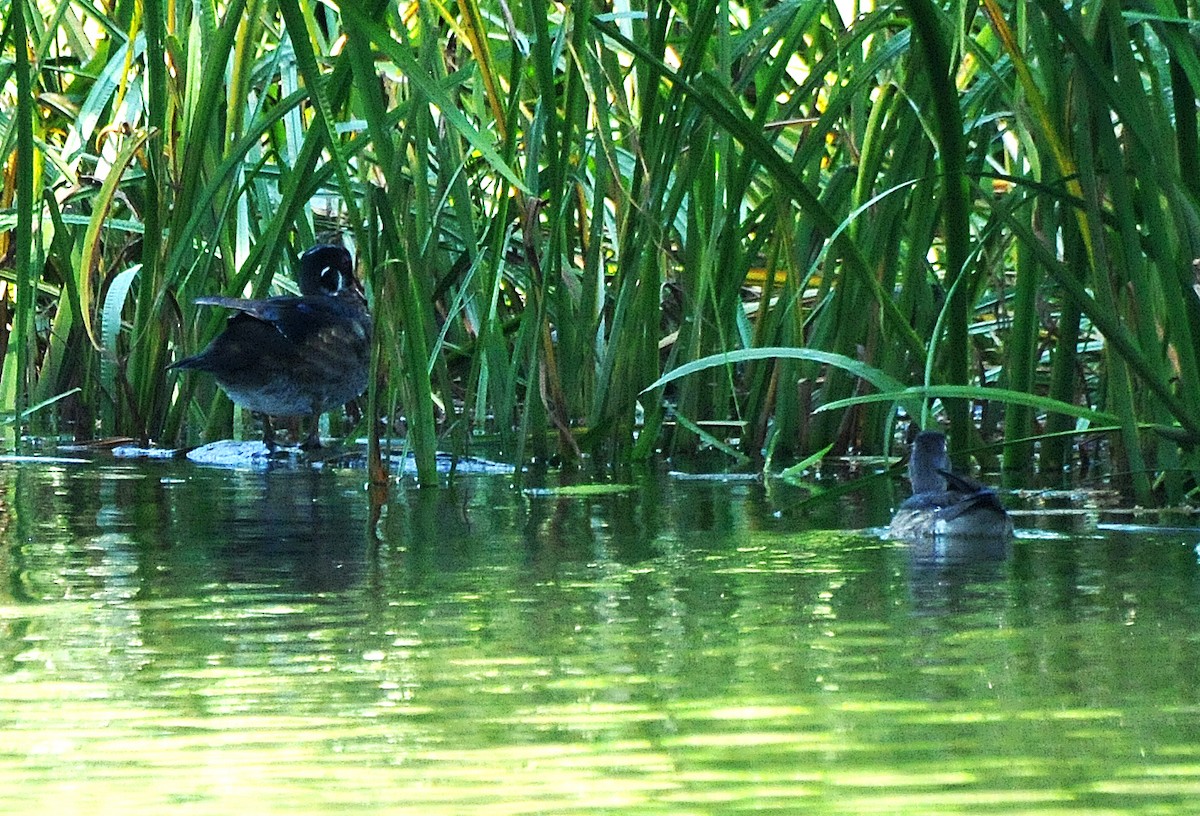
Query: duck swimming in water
{"points": [[943, 504]]}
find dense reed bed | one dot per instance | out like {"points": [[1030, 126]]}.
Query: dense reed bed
{"points": [[768, 229]]}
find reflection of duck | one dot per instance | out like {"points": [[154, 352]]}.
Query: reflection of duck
{"points": [[294, 356], [943, 504]]}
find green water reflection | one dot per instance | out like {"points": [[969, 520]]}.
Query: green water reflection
{"points": [[175, 639]]}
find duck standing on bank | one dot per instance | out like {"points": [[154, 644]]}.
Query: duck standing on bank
{"points": [[943, 504], [294, 356]]}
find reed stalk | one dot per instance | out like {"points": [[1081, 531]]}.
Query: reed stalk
{"points": [[18, 361]]}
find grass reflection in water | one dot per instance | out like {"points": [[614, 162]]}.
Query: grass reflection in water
{"points": [[207, 642]]}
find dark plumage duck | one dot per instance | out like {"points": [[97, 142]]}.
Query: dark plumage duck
{"points": [[294, 356], [943, 504]]}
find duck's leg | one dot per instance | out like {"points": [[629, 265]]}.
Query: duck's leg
{"points": [[313, 440], [268, 433]]}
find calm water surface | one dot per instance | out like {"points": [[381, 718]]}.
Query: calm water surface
{"points": [[181, 640]]}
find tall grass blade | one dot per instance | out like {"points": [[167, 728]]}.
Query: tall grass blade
{"points": [[18, 363]]}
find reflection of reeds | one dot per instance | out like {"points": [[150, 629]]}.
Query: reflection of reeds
{"points": [[553, 210]]}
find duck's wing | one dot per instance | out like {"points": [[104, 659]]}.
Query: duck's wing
{"points": [[296, 318], [954, 502], [243, 346], [982, 499], [931, 500], [968, 494], [961, 484]]}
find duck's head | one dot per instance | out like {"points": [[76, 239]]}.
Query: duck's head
{"points": [[927, 461], [326, 269]]}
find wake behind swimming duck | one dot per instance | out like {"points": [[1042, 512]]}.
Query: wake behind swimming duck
{"points": [[943, 504]]}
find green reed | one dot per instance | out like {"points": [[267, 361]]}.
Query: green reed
{"points": [[554, 206]]}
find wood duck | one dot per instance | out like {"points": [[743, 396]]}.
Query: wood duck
{"points": [[294, 356], [943, 504]]}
